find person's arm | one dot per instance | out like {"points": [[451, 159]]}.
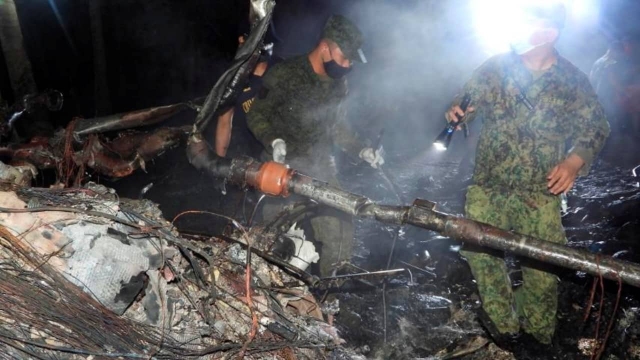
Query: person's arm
{"points": [[589, 132], [343, 135], [482, 79], [590, 127], [266, 108], [223, 132]]}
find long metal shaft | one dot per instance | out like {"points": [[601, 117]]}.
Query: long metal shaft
{"points": [[422, 214], [277, 180], [128, 120]]}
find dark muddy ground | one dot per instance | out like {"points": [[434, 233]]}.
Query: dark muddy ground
{"points": [[437, 312]]}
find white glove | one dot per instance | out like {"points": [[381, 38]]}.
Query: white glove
{"points": [[373, 157], [279, 150]]}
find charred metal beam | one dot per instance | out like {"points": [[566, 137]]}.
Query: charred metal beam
{"points": [[128, 152], [127, 120], [278, 180]]}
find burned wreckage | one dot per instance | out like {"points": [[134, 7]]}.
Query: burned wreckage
{"points": [[86, 274]]}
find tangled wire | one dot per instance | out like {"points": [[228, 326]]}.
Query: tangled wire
{"points": [[45, 316]]}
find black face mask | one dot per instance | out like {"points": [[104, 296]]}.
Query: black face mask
{"points": [[334, 70]]}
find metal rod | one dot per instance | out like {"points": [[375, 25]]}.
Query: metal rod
{"points": [[127, 120], [421, 214], [370, 273]]}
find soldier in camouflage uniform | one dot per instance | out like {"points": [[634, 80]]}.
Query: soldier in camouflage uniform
{"points": [[299, 116], [532, 101]]}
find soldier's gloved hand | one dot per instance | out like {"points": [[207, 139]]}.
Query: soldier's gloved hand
{"points": [[373, 157], [279, 150]]}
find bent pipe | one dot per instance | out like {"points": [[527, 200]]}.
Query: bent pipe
{"points": [[278, 180]]}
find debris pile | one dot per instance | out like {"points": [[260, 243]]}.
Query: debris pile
{"points": [[86, 273]]}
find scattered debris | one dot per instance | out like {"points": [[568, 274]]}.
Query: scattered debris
{"points": [[86, 273], [588, 347]]}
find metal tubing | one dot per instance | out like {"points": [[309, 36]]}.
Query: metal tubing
{"points": [[422, 214], [326, 194], [127, 120], [484, 235]]}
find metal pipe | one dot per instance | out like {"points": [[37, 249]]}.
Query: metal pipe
{"points": [[422, 214], [127, 120], [484, 235]]}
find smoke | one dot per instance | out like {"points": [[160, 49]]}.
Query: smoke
{"points": [[420, 53]]}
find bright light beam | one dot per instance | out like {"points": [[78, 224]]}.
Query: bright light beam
{"points": [[497, 22]]}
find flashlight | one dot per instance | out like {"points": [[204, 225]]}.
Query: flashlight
{"points": [[444, 139]]}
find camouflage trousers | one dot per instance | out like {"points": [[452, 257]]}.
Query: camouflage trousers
{"points": [[332, 232], [534, 304]]}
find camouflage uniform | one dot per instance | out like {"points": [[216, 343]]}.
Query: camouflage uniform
{"points": [[516, 150], [305, 110]]}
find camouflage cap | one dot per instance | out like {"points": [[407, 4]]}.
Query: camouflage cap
{"points": [[348, 37]]}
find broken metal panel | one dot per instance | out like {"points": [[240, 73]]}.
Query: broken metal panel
{"points": [[89, 253], [128, 152], [116, 158], [148, 145]]}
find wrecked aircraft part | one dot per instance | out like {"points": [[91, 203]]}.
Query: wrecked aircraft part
{"points": [[97, 157], [364, 274], [485, 235], [259, 9], [277, 180], [127, 153], [230, 84], [165, 313], [117, 158], [148, 145], [37, 153], [127, 120]]}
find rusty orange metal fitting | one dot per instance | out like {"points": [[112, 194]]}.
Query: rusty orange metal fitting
{"points": [[273, 179]]}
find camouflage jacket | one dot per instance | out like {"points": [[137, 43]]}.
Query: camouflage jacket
{"points": [[305, 110], [518, 147]]}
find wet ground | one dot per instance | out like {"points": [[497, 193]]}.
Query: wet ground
{"points": [[432, 312]]}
